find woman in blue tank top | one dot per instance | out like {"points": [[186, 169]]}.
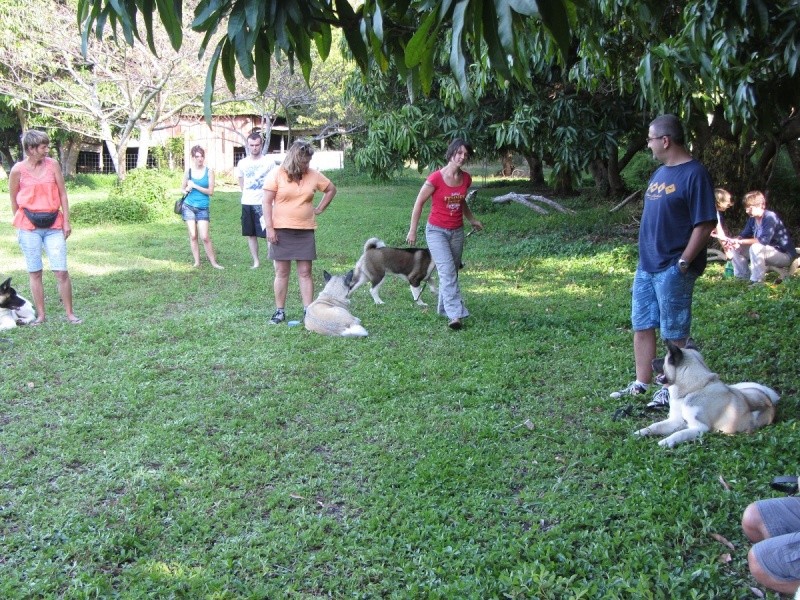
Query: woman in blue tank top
{"points": [[198, 185]]}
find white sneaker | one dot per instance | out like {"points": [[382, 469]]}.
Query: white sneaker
{"points": [[660, 399], [633, 389]]}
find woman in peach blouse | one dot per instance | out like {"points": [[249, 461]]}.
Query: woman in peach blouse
{"points": [[290, 221], [41, 215]]}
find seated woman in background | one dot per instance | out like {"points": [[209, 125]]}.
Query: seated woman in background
{"points": [[763, 242]]}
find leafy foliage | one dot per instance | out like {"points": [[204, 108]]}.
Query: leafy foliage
{"points": [[405, 31], [139, 198], [169, 155]]}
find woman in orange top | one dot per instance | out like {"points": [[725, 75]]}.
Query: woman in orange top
{"points": [[38, 192], [290, 221]]}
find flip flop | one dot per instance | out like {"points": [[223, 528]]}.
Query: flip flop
{"points": [[785, 483], [75, 321]]}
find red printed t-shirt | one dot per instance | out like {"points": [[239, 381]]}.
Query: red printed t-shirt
{"points": [[38, 192], [447, 203], [293, 207]]}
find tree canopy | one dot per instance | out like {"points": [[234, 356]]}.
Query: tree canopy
{"points": [[569, 82], [246, 33], [729, 70]]}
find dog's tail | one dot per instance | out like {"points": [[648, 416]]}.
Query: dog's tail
{"points": [[761, 400], [758, 396], [355, 330], [372, 243]]}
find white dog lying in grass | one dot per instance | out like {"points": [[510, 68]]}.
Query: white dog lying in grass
{"points": [[328, 314]]}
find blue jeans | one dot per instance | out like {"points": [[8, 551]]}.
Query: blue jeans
{"points": [[53, 242], [664, 300], [446, 246]]}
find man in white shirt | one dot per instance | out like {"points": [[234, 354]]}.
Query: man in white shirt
{"points": [[252, 171]]}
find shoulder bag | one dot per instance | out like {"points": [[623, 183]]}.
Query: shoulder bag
{"points": [[179, 204]]}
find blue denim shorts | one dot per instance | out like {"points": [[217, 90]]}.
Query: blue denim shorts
{"points": [[192, 213], [53, 242], [663, 301]]}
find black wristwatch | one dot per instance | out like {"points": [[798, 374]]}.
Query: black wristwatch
{"points": [[683, 265]]}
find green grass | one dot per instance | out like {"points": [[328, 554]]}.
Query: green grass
{"points": [[176, 446]]}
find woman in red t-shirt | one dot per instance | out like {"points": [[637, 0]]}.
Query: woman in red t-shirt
{"points": [[444, 231]]}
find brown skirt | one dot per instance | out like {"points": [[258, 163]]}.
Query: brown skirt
{"points": [[294, 244]]}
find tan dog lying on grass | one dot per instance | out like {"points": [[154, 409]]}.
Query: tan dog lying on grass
{"points": [[699, 401], [328, 314]]}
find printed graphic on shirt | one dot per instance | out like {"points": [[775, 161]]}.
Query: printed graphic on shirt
{"points": [[453, 202], [659, 189], [254, 175]]}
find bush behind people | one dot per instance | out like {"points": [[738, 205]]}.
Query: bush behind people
{"points": [[142, 197]]}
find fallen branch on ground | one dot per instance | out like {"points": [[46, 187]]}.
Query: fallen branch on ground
{"points": [[530, 200], [624, 202]]}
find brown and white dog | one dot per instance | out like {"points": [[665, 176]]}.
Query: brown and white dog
{"points": [[700, 402], [378, 260]]}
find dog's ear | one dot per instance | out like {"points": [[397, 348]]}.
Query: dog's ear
{"points": [[327, 276], [674, 354], [5, 285], [348, 279]]}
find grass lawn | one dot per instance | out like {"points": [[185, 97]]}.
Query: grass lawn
{"points": [[174, 445]]}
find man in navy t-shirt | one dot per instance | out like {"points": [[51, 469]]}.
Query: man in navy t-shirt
{"points": [[678, 218]]}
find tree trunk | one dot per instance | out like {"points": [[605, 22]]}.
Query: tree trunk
{"points": [[600, 174], [765, 166], [632, 150], [144, 145], [121, 164], [615, 182], [69, 151], [7, 158], [536, 169], [562, 181], [508, 164], [108, 139]]}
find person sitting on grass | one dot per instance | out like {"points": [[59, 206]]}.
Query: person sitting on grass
{"points": [[722, 199], [773, 526], [764, 241]]}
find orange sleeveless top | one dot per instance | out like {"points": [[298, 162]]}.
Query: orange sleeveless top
{"points": [[38, 192]]}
